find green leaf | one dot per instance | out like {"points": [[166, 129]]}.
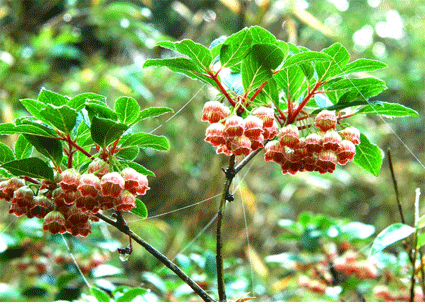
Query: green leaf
{"points": [[306, 57], [140, 209], [128, 153], [100, 295], [291, 80], [181, 65], [7, 128], [389, 110], [260, 35], [200, 55], [235, 48], [63, 118], [340, 57], [421, 222], [153, 112], [284, 47], [6, 154], [363, 65], [390, 235], [347, 90], [127, 109], [49, 147], [104, 131], [31, 167], [78, 102], [100, 110], [145, 140], [34, 129], [132, 294], [421, 241], [368, 156], [34, 107], [23, 148], [52, 98], [138, 167]]}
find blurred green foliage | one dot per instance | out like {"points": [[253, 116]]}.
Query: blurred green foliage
{"points": [[74, 46]]}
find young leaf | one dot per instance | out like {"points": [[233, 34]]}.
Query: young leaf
{"points": [[100, 295], [127, 109], [63, 118], [104, 131], [49, 147], [390, 235], [362, 65], [388, 109], [78, 102], [145, 140], [368, 156], [140, 209], [6, 154], [199, 54], [131, 294], [182, 65], [235, 48], [153, 112], [52, 98], [23, 148], [31, 167]]}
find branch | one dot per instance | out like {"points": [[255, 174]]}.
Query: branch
{"points": [[397, 195], [310, 94], [158, 255], [226, 196], [81, 149]]}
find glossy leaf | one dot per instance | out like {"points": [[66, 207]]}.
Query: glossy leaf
{"points": [[100, 110], [128, 153], [77, 103], [104, 131], [100, 295], [34, 129], [390, 235], [368, 156], [306, 57], [138, 167], [340, 57], [23, 148], [363, 65], [291, 80], [31, 167], [235, 48], [200, 55], [49, 147], [389, 110], [63, 118], [145, 140], [254, 72], [140, 209], [127, 109], [260, 35], [52, 98], [34, 107], [6, 154]]}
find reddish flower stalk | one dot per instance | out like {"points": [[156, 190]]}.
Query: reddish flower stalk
{"points": [[222, 89], [311, 93]]}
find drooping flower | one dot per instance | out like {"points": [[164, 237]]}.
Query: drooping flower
{"points": [[89, 185], [54, 222], [266, 115], [352, 134], [289, 136], [234, 126], [215, 134], [326, 120], [112, 184], [69, 180], [214, 111]]}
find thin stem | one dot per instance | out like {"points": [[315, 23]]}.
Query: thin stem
{"points": [[158, 255], [259, 90], [415, 255], [222, 89], [225, 196], [31, 180], [114, 147], [81, 149], [422, 272], [397, 195]]}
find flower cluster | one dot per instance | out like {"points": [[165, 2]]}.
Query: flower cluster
{"points": [[234, 135], [349, 265], [384, 293], [319, 151], [69, 204]]}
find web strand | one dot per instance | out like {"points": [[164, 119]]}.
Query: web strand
{"points": [[184, 106]]}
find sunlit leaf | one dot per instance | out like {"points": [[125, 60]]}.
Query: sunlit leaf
{"points": [[390, 235]]}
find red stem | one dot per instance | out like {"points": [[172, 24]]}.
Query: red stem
{"points": [[81, 149], [310, 94], [31, 180], [259, 90], [223, 90], [114, 147]]}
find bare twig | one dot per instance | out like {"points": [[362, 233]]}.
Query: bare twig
{"points": [[120, 225], [397, 195]]}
